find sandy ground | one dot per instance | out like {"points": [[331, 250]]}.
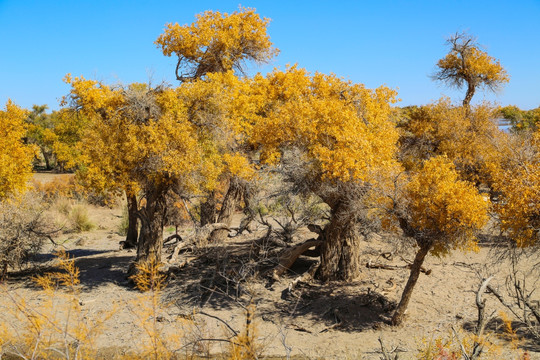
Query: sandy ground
{"points": [[313, 320]]}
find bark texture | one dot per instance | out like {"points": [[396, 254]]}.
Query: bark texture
{"points": [[208, 210], [469, 95], [132, 232], [416, 268], [151, 238], [340, 250], [231, 200]]}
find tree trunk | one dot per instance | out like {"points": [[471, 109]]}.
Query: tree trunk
{"points": [[151, 238], [468, 97], [46, 157], [208, 209], [132, 232], [340, 250], [231, 200], [416, 267]]}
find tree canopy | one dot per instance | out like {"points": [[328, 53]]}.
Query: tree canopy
{"points": [[217, 42], [15, 156]]}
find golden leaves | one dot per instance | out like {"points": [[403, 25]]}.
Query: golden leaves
{"points": [[15, 156], [217, 42], [444, 207], [343, 127]]}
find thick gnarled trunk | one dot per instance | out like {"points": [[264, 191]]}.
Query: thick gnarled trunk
{"points": [[340, 251], [416, 268], [151, 237], [231, 200], [209, 209]]}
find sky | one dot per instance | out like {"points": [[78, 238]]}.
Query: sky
{"points": [[377, 42]]}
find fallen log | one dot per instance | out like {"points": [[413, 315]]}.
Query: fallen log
{"points": [[288, 256], [200, 237], [371, 265]]}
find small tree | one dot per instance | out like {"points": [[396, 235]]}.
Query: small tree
{"points": [[440, 212], [466, 64]]}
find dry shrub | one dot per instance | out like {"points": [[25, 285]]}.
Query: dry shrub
{"points": [[151, 316], [62, 186], [56, 329], [245, 346], [23, 229], [67, 186]]}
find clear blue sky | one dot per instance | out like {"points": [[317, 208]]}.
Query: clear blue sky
{"points": [[375, 42]]}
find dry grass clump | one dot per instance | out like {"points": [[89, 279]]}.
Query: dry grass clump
{"points": [[79, 218]]}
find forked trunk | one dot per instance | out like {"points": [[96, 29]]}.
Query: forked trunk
{"points": [[132, 232], [151, 238], [340, 251], [231, 200], [416, 267]]}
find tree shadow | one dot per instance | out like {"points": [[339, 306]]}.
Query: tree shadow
{"points": [[215, 277], [348, 307], [227, 276], [100, 271], [96, 268]]}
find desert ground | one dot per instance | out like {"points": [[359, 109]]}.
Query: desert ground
{"points": [[307, 319]]}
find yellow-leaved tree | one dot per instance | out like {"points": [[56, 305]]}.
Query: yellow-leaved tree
{"points": [[219, 43], [219, 108], [467, 65], [15, 156], [439, 211], [331, 138], [139, 139]]}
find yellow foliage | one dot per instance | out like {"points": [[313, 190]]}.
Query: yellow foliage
{"points": [[343, 129], [518, 209], [465, 135], [15, 156], [443, 208], [217, 42], [456, 345], [474, 64], [124, 149]]}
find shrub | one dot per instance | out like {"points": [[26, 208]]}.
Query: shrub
{"points": [[61, 186], [23, 229]]}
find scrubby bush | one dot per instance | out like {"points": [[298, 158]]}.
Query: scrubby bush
{"points": [[23, 229]]}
